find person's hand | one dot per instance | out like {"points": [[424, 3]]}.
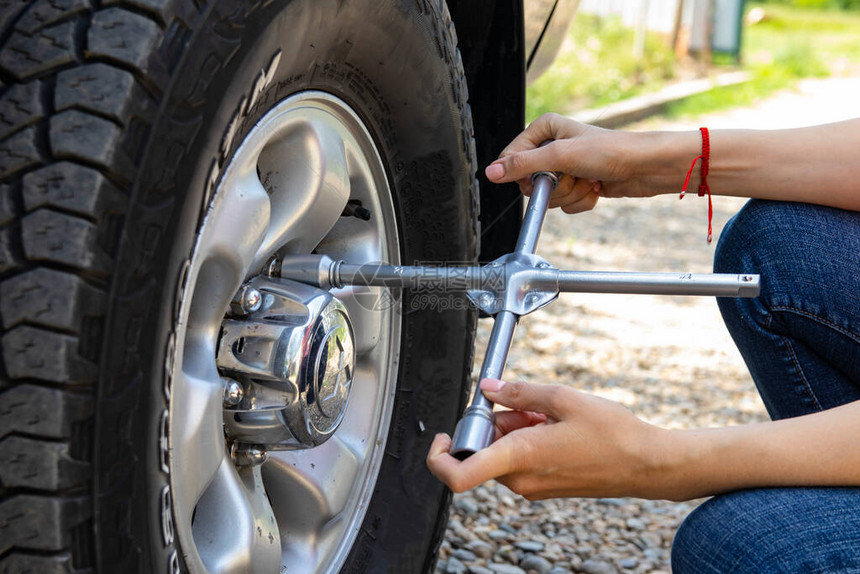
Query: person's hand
{"points": [[560, 442], [594, 162]]}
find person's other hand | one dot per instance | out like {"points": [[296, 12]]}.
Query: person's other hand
{"points": [[559, 442], [594, 162]]}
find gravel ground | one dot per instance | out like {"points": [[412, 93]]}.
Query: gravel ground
{"points": [[669, 359]]}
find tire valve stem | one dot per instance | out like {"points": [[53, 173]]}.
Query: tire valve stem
{"points": [[353, 208]]}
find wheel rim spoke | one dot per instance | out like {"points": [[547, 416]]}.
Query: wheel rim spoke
{"points": [[235, 530], [236, 225], [304, 169], [197, 434], [312, 485], [197, 396]]}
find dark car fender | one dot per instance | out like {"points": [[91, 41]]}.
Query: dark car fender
{"points": [[492, 44]]}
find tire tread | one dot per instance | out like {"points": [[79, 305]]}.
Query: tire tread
{"points": [[78, 89]]}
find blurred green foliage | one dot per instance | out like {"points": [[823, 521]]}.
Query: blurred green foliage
{"points": [[596, 66], [789, 44], [818, 4]]}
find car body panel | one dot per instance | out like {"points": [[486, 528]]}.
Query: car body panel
{"points": [[493, 42], [546, 23]]}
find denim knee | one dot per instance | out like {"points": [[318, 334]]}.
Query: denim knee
{"points": [[731, 246], [751, 239], [754, 241], [740, 249], [702, 543], [800, 250], [801, 337], [772, 530]]}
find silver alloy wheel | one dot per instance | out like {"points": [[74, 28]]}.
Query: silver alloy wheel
{"points": [[282, 194]]}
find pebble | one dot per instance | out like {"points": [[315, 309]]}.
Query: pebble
{"points": [[592, 566], [509, 554], [467, 505], [628, 563], [454, 566], [651, 539], [456, 527], [553, 551], [505, 568], [463, 554], [654, 554], [530, 545], [485, 495], [480, 548], [533, 563]]}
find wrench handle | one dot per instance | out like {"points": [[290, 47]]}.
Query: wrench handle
{"points": [[543, 184], [476, 429]]}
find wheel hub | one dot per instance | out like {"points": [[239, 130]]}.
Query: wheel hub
{"points": [[294, 357]]}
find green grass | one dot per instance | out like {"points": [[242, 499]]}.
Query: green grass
{"points": [[597, 67], [830, 35]]}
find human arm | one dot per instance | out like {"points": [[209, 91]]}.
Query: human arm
{"points": [[818, 164], [592, 447]]}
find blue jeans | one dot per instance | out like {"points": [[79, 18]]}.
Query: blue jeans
{"points": [[801, 342]]}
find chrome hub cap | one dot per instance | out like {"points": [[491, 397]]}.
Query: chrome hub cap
{"points": [[293, 358], [280, 394]]}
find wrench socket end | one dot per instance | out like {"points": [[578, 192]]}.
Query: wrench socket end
{"points": [[474, 432]]}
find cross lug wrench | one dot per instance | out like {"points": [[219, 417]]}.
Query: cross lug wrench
{"points": [[513, 285]]}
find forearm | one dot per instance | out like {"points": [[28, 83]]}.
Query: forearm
{"points": [[819, 164], [813, 450]]}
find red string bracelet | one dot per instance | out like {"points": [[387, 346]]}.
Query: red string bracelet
{"points": [[703, 173]]}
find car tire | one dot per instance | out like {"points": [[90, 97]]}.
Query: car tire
{"points": [[118, 126]]}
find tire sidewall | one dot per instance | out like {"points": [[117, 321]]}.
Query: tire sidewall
{"points": [[385, 60]]}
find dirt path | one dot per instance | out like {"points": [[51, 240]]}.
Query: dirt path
{"points": [[669, 359]]}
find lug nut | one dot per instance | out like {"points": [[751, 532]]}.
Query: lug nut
{"points": [[233, 392], [247, 300], [248, 454]]}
